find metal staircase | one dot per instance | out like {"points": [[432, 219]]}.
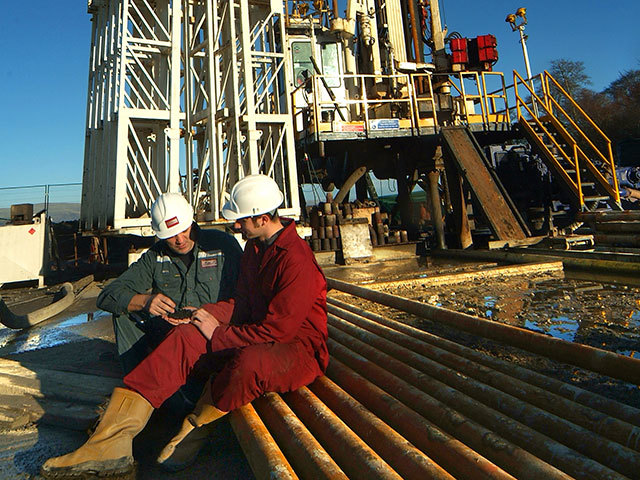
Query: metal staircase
{"points": [[554, 124]]}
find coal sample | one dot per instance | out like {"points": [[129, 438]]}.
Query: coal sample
{"points": [[181, 314]]}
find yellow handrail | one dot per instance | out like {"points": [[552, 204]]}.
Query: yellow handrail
{"points": [[608, 158], [548, 104], [575, 163]]}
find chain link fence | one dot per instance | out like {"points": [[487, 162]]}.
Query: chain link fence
{"points": [[60, 200]]}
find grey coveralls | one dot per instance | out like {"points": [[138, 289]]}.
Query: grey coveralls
{"points": [[211, 277]]}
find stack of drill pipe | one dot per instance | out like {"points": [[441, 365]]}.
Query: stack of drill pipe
{"points": [[398, 402], [325, 218], [591, 358], [547, 431], [614, 228]]}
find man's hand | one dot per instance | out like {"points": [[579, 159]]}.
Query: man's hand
{"points": [[156, 304], [180, 316], [159, 305], [205, 322]]}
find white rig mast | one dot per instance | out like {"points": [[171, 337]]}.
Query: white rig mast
{"points": [[184, 96]]}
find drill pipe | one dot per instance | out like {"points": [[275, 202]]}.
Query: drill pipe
{"points": [[443, 398], [408, 365], [594, 359], [608, 216], [307, 456], [570, 262], [612, 408], [453, 455], [604, 425], [513, 459], [398, 452], [264, 456], [354, 456]]}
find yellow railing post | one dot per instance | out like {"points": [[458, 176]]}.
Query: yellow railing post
{"points": [[613, 173], [578, 181], [433, 102], [517, 96], [547, 92], [316, 108], [365, 104]]}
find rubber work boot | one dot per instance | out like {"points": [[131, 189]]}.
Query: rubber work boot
{"points": [[109, 450], [183, 449]]}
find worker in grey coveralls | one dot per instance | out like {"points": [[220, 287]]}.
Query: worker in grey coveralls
{"points": [[188, 267]]}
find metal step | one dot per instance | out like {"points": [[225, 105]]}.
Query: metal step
{"points": [[597, 198]]}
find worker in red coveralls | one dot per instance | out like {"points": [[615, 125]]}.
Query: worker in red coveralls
{"points": [[271, 337]]}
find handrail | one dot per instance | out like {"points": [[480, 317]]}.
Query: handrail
{"points": [[548, 104], [575, 163], [578, 129], [608, 158], [575, 104], [488, 102]]}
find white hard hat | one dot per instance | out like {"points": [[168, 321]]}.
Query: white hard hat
{"points": [[171, 214], [253, 195]]}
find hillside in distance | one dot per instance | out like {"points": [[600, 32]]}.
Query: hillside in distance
{"points": [[59, 212]]}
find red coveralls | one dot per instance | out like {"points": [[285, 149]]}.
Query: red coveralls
{"points": [[273, 336]]}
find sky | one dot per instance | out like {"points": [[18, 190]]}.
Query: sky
{"points": [[44, 57]]}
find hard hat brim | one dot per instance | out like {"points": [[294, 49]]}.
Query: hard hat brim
{"points": [[171, 233], [229, 213]]}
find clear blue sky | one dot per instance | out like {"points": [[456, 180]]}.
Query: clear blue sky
{"points": [[44, 55]]}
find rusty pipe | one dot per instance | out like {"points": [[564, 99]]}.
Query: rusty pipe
{"points": [[565, 459], [415, 37], [334, 7], [618, 227], [436, 208], [509, 416], [262, 452], [398, 452], [452, 454], [608, 216], [620, 258], [570, 263], [627, 240], [594, 359], [594, 401], [306, 455], [354, 456], [512, 458], [611, 428]]}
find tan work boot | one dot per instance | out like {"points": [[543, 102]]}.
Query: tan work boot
{"points": [[109, 450], [183, 449]]}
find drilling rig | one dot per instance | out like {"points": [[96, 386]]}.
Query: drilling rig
{"points": [[190, 96]]}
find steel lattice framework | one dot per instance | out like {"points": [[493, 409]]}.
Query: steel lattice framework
{"points": [[184, 97]]}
